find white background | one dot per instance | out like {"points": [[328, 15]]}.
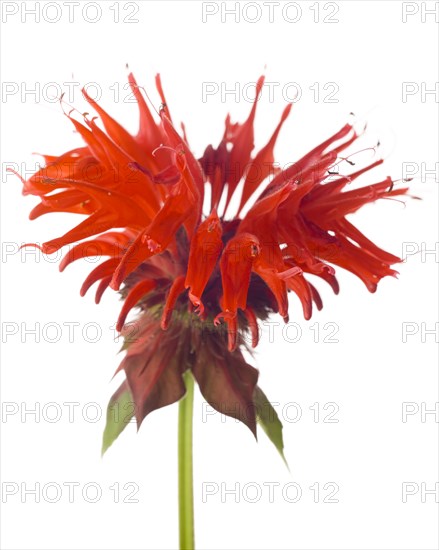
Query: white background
{"points": [[370, 453]]}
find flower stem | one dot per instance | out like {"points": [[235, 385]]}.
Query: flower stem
{"points": [[185, 469]]}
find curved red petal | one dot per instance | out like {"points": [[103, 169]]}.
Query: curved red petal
{"points": [[206, 246], [133, 296], [236, 264], [176, 289]]}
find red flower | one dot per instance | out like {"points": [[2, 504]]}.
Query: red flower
{"points": [[142, 198]]}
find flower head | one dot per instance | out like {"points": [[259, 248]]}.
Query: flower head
{"points": [[191, 271]]}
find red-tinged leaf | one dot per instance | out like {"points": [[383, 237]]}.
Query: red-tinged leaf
{"points": [[120, 412], [154, 365], [226, 381]]}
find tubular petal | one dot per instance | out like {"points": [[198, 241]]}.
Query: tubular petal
{"points": [[133, 296], [102, 287], [242, 139], [176, 289], [253, 324], [236, 265], [300, 286], [149, 135], [262, 165], [103, 246], [102, 271], [117, 133], [141, 197], [205, 249]]}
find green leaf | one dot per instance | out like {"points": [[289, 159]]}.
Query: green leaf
{"points": [[269, 421], [120, 412]]}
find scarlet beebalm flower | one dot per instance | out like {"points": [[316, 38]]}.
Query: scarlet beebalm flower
{"points": [[190, 272]]}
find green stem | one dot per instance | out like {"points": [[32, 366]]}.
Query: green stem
{"points": [[185, 470]]}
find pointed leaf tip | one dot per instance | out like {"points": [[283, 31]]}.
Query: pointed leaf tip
{"points": [[120, 412], [269, 421]]}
